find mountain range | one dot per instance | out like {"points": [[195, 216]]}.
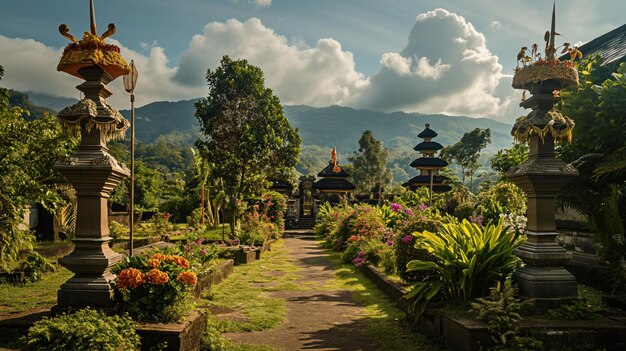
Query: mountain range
{"points": [[321, 128]]}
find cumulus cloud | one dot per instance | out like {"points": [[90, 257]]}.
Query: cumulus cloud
{"points": [[320, 75], [446, 67]]}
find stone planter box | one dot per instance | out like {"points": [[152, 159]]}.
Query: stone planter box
{"points": [[458, 331], [184, 336], [244, 256], [220, 273]]}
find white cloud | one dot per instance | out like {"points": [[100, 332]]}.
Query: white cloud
{"points": [[448, 70], [262, 3], [320, 75], [494, 25]]}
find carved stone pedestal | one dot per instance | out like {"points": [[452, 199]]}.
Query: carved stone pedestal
{"points": [[543, 277], [94, 173]]}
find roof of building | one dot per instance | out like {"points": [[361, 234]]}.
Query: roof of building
{"points": [[611, 46], [420, 179], [427, 132], [429, 162], [333, 184], [328, 172], [428, 146]]}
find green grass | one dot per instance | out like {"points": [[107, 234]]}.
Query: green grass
{"points": [[16, 298], [240, 293], [385, 322]]}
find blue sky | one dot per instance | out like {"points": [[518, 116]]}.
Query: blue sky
{"points": [[348, 52]]}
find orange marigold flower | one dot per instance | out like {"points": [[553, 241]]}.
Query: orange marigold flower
{"points": [[188, 277], [178, 260], [158, 256], [129, 278], [157, 277], [154, 263]]}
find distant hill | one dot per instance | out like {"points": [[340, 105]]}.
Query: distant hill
{"points": [[321, 128], [53, 102]]}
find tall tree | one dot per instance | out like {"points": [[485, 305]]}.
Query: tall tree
{"points": [[466, 152], [370, 164], [28, 150], [246, 136], [506, 159]]}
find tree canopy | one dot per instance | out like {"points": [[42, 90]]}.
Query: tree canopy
{"points": [[28, 151], [246, 138], [370, 164], [465, 152]]}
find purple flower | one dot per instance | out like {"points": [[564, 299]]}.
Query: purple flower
{"points": [[422, 207], [395, 207], [203, 252], [407, 239], [408, 212], [389, 242], [200, 241], [359, 261]]}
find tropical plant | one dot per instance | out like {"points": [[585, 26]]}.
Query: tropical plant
{"points": [[82, 331], [502, 312], [154, 289], [467, 259], [465, 152]]}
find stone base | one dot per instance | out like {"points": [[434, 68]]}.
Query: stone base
{"points": [[184, 336], [244, 256], [85, 290], [548, 287]]}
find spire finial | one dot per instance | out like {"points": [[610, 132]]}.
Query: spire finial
{"points": [[92, 17], [553, 32]]}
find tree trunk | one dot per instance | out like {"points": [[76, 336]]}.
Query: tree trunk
{"points": [[202, 205]]}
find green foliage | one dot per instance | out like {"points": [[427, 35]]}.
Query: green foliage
{"points": [[406, 221], [28, 151], [256, 228], [117, 230], [464, 210], [370, 164], [246, 136], [502, 198], [506, 159], [598, 108], [501, 310], [609, 225], [85, 330], [467, 259], [35, 266], [577, 310], [466, 152]]}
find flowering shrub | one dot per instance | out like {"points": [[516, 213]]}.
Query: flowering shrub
{"points": [[329, 223], [405, 223], [256, 228], [503, 197], [154, 289], [203, 257], [274, 208]]}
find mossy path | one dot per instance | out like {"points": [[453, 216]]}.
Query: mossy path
{"points": [[300, 297]]}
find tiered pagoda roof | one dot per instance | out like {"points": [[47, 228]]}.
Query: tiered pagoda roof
{"points": [[333, 178], [428, 165]]}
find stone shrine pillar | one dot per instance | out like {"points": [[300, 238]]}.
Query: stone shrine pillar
{"points": [[94, 173]]}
